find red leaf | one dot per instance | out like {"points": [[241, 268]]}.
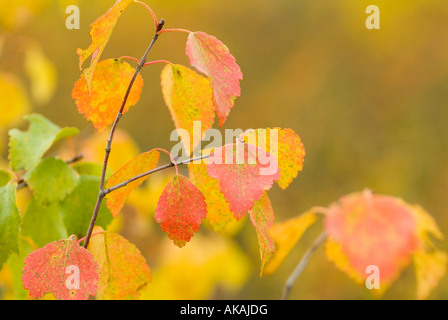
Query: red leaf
{"points": [[48, 269], [211, 57], [180, 210], [244, 172]]}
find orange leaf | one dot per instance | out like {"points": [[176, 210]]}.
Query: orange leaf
{"points": [[189, 97], [262, 217], [180, 210], [109, 85], [47, 270], [100, 31], [211, 57], [124, 272], [140, 164]]}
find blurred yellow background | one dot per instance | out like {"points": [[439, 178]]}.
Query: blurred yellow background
{"points": [[369, 105]]}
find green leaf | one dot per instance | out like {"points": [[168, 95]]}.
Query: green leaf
{"points": [[51, 180], [16, 263], [38, 218], [5, 177], [91, 169], [78, 206], [26, 148], [9, 222]]}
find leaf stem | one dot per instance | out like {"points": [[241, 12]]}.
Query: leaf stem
{"points": [[156, 23], [302, 264], [130, 58], [157, 61], [101, 193], [174, 30], [171, 157], [93, 234]]}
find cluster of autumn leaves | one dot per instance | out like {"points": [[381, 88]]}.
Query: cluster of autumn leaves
{"points": [[362, 228]]}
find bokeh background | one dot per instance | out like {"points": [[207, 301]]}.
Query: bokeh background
{"points": [[369, 105]]}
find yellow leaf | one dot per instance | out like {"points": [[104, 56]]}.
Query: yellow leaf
{"points": [[426, 225], [14, 101], [285, 235], [429, 269], [17, 13], [189, 97], [42, 74], [124, 273], [124, 148], [334, 254], [430, 263], [199, 269]]}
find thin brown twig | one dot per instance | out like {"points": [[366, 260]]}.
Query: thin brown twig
{"points": [[167, 166], [101, 193], [302, 264]]}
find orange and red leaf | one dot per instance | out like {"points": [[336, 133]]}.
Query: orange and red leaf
{"points": [[211, 57], [180, 210], [287, 148], [46, 271], [371, 229], [244, 172]]}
